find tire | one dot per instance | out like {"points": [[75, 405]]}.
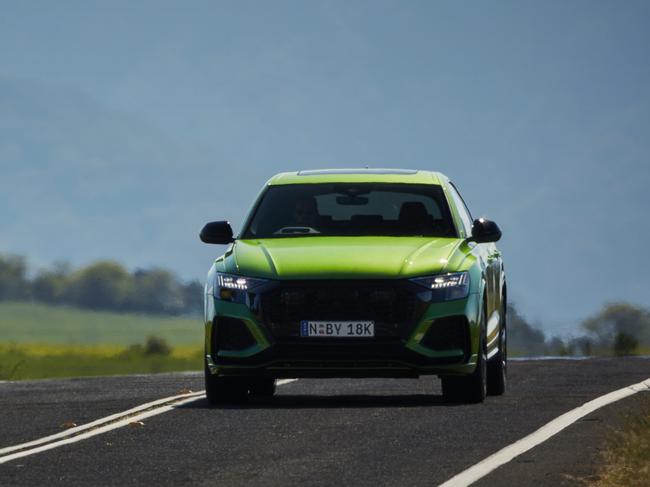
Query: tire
{"points": [[262, 386], [223, 390], [471, 388], [497, 373], [452, 389]]}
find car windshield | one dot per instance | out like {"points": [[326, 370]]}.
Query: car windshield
{"points": [[351, 209]]}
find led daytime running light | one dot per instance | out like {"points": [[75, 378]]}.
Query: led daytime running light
{"points": [[446, 287], [449, 280], [232, 282]]}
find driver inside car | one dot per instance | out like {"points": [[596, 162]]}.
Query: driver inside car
{"points": [[305, 212]]}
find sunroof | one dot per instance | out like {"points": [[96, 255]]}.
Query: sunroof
{"points": [[317, 172]]}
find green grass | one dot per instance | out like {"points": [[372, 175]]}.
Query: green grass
{"points": [[40, 341], [39, 323], [642, 350], [37, 361]]}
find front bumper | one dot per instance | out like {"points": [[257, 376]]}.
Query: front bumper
{"points": [[414, 336]]}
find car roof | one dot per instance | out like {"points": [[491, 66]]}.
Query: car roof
{"points": [[359, 175]]}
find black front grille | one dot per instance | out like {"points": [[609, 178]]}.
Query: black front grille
{"points": [[391, 305]]}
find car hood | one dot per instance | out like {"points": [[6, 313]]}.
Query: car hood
{"points": [[340, 257]]}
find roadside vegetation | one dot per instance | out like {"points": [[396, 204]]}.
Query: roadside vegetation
{"points": [[40, 361], [104, 285], [103, 319], [618, 329], [43, 341], [626, 458]]}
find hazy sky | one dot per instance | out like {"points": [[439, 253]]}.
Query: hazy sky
{"points": [[124, 126]]}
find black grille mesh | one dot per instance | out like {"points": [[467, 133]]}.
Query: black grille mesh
{"points": [[393, 308]]}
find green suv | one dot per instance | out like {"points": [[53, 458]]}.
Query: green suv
{"points": [[356, 273]]}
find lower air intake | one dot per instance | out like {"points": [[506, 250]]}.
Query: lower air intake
{"points": [[231, 334], [446, 334]]}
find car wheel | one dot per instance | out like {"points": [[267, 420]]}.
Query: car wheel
{"points": [[471, 388], [220, 390], [262, 386], [498, 365]]}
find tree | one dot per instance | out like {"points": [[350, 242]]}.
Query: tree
{"points": [[522, 337], [103, 285], [49, 286], [13, 279], [624, 344], [619, 327], [193, 297], [558, 347], [581, 345], [156, 291]]}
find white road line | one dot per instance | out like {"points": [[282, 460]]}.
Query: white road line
{"points": [[97, 431], [98, 422], [550, 429], [104, 425]]}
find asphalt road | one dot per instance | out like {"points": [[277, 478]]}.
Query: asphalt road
{"points": [[318, 432]]}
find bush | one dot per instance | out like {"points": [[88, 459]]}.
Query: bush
{"points": [[619, 328], [135, 349], [157, 346]]}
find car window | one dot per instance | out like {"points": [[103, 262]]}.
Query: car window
{"points": [[463, 211], [341, 209]]}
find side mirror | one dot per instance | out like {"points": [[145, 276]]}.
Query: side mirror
{"points": [[216, 233], [485, 231]]}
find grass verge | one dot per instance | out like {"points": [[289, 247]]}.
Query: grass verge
{"points": [[626, 460]]}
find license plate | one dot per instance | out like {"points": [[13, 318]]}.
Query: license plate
{"points": [[349, 329]]}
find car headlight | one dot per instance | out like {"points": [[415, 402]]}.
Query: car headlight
{"points": [[230, 287], [446, 287]]}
